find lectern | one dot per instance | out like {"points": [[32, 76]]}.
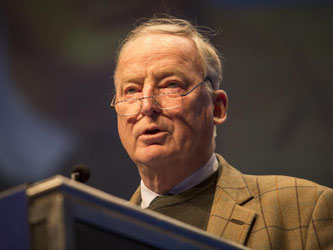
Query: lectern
{"points": [[62, 214]]}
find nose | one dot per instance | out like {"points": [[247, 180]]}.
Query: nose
{"points": [[148, 106]]}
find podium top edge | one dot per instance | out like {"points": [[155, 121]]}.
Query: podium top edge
{"points": [[12, 190], [45, 185], [58, 181]]}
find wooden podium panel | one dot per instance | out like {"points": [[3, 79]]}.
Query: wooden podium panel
{"points": [[62, 214]]}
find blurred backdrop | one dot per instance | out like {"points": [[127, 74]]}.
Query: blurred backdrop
{"points": [[56, 66]]}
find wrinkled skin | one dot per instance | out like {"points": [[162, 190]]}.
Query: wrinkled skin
{"points": [[167, 145]]}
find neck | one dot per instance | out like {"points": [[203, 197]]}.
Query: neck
{"points": [[162, 177]]}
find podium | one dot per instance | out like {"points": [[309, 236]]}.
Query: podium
{"points": [[62, 214]]}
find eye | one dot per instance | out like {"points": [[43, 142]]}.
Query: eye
{"points": [[173, 85], [131, 90]]}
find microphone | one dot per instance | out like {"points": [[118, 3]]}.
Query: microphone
{"points": [[80, 173]]}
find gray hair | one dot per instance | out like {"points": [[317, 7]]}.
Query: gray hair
{"points": [[212, 61]]}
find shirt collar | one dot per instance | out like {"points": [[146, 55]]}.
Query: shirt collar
{"points": [[194, 179]]}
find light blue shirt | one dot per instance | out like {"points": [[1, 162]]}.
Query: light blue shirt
{"points": [[194, 179]]}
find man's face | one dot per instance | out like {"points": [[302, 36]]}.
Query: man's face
{"points": [[156, 63]]}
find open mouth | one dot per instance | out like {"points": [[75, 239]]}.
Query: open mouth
{"points": [[153, 136], [152, 131]]}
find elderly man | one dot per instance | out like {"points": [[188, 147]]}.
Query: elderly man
{"points": [[168, 104]]}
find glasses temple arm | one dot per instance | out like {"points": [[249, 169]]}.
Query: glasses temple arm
{"points": [[206, 79]]}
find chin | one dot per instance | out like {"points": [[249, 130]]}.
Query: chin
{"points": [[153, 154]]}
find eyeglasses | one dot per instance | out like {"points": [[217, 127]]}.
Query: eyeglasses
{"points": [[165, 101]]}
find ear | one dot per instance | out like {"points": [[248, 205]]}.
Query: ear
{"points": [[220, 106]]}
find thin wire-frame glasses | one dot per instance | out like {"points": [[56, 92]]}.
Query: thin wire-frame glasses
{"points": [[165, 101]]}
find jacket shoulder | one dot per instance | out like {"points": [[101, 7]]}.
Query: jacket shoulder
{"points": [[286, 185]]}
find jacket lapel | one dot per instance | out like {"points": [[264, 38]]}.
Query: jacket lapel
{"points": [[136, 197], [228, 219]]}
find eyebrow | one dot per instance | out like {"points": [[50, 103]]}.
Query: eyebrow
{"points": [[158, 76], [133, 79], [170, 72]]}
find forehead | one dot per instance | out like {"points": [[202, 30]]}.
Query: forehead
{"points": [[162, 52]]}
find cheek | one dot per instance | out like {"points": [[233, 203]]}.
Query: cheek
{"points": [[123, 132], [200, 115], [193, 124]]}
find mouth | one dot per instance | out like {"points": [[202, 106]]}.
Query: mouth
{"points": [[151, 131], [152, 136]]}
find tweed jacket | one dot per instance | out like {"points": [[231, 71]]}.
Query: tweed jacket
{"points": [[269, 212]]}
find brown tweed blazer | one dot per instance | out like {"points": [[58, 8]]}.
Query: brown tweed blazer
{"points": [[269, 212]]}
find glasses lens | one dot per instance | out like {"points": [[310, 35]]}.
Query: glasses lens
{"points": [[163, 101], [129, 107], [168, 101]]}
